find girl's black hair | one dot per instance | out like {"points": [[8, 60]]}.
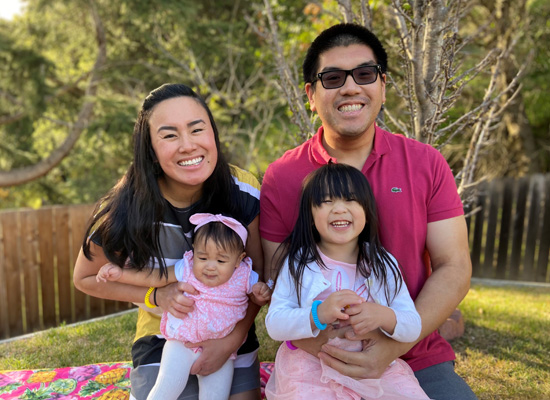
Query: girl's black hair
{"points": [[222, 235], [126, 221], [336, 181]]}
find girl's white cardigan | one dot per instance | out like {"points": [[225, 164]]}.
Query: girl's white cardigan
{"points": [[286, 320]]}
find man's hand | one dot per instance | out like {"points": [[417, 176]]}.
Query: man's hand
{"points": [[171, 298], [370, 363], [313, 345]]}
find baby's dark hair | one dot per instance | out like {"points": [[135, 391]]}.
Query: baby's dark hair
{"points": [[337, 181], [222, 235]]}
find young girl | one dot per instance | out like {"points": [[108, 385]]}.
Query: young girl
{"points": [[333, 269], [223, 277]]}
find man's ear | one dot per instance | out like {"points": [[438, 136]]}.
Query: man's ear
{"points": [[383, 88], [310, 91]]}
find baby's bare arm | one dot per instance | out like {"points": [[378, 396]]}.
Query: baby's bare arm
{"points": [[109, 272]]}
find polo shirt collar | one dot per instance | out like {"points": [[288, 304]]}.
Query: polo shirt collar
{"points": [[318, 152], [320, 155]]}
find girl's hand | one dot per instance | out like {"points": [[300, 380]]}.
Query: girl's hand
{"points": [[109, 272], [332, 308], [261, 293], [368, 316], [171, 298]]}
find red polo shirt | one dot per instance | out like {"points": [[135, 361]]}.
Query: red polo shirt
{"points": [[413, 185]]}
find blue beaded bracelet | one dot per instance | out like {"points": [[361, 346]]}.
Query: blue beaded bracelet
{"points": [[316, 321]]}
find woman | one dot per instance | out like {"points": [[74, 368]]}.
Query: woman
{"points": [[178, 170]]}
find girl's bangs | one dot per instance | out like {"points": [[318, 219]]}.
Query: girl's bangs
{"points": [[332, 185]]}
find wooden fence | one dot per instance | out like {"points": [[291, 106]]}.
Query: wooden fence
{"points": [[509, 239], [38, 249], [510, 233]]}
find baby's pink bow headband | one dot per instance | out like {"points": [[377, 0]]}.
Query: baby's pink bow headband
{"points": [[201, 219]]}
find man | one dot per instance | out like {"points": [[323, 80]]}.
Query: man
{"points": [[419, 208]]}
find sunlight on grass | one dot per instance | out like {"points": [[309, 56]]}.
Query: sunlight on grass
{"points": [[106, 340], [505, 350], [503, 354]]}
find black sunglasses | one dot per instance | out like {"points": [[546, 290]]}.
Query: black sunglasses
{"points": [[337, 77]]}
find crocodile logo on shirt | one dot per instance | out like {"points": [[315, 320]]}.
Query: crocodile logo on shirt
{"points": [[396, 190]]}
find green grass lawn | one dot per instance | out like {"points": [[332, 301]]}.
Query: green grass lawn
{"points": [[504, 353]]}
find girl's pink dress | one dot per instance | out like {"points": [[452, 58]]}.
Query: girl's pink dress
{"points": [[217, 309], [299, 375]]}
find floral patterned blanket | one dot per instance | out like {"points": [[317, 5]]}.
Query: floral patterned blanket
{"points": [[98, 381], [109, 381]]}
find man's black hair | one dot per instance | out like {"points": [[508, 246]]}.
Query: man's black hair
{"points": [[342, 35]]}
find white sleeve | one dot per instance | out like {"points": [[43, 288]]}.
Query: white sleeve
{"points": [[409, 324], [285, 319], [179, 270], [252, 280]]}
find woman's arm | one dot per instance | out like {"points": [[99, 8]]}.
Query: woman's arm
{"points": [[84, 278], [131, 276], [170, 297]]}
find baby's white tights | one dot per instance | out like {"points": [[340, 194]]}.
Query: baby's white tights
{"points": [[174, 370]]}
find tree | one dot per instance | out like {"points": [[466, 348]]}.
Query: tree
{"points": [[244, 58], [435, 70], [148, 45], [25, 174]]}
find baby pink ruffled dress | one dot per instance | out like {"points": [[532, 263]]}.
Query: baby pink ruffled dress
{"points": [[217, 309]]}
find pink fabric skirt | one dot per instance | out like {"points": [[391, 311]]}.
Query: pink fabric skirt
{"points": [[299, 375]]}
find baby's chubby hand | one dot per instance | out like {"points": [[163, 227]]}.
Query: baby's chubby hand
{"points": [[261, 293], [109, 272]]}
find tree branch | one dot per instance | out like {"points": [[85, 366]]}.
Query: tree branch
{"points": [[25, 174]]}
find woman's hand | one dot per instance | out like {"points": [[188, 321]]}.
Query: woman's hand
{"points": [[215, 353], [171, 298]]}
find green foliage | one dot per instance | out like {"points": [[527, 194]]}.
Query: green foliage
{"points": [[537, 81], [216, 46]]}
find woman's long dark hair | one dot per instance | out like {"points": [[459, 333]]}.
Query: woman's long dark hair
{"points": [[126, 221], [336, 181]]}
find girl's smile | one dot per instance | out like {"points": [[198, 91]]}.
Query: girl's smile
{"points": [[339, 223]]}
